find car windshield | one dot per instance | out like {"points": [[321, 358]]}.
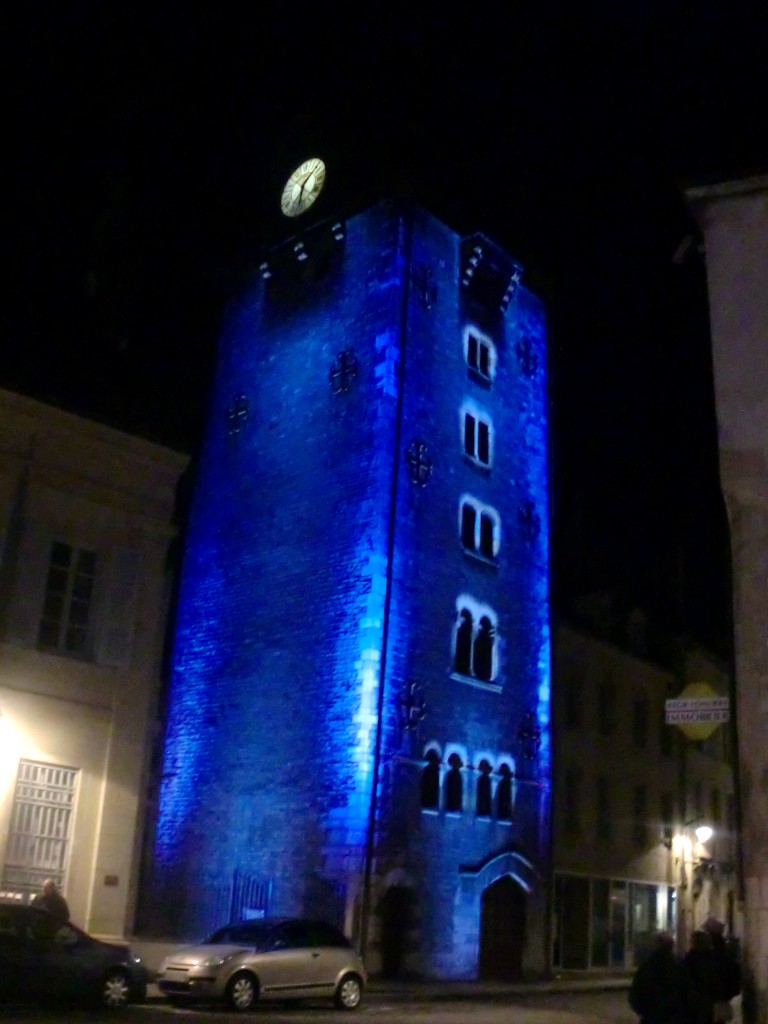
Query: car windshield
{"points": [[249, 933]]}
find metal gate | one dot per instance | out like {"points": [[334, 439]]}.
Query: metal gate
{"points": [[39, 837]]}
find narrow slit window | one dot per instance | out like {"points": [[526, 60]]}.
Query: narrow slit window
{"points": [[483, 443], [430, 782], [484, 791], [468, 520], [469, 435], [504, 794], [486, 535], [454, 785]]}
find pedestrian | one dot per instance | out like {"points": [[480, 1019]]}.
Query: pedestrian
{"points": [[727, 969], [50, 899], [657, 992], [701, 979]]}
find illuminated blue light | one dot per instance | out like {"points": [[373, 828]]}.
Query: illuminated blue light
{"points": [[320, 578]]}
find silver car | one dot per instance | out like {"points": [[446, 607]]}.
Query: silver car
{"points": [[271, 958]]}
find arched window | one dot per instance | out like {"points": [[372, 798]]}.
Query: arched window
{"points": [[475, 639], [430, 782], [482, 652], [464, 630], [504, 794], [454, 784], [483, 806], [479, 526]]}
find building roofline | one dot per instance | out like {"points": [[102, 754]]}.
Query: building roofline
{"points": [[13, 404], [725, 189]]}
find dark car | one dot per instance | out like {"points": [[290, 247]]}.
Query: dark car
{"points": [[42, 959], [271, 958]]}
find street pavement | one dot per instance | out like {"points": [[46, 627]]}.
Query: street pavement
{"points": [[417, 990]]}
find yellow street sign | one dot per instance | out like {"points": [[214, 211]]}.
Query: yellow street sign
{"points": [[698, 711]]}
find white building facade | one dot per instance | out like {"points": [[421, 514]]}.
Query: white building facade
{"points": [[85, 524]]}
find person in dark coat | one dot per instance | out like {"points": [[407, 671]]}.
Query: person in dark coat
{"points": [[657, 993], [50, 899], [727, 969], [702, 979]]}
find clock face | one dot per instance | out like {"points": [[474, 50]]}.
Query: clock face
{"points": [[303, 187]]}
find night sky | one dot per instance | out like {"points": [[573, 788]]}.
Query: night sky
{"points": [[149, 145]]}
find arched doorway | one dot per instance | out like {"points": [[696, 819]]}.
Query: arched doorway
{"points": [[502, 930]]}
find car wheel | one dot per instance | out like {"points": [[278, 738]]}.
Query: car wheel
{"points": [[349, 992], [242, 992], [115, 990]]}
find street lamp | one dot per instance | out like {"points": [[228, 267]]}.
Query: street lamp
{"points": [[690, 859], [703, 833]]}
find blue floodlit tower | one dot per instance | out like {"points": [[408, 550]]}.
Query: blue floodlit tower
{"points": [[360, 697]]}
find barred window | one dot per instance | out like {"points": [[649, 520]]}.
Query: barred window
{"points": [[41, 825]]}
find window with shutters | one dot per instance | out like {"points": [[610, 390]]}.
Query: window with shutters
{"points": [[65, 624], [41, 826]]}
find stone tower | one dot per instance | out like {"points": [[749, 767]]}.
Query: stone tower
{"points": [[359, 705]]}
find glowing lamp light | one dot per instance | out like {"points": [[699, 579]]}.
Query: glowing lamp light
{"points": [[704, 833]]}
